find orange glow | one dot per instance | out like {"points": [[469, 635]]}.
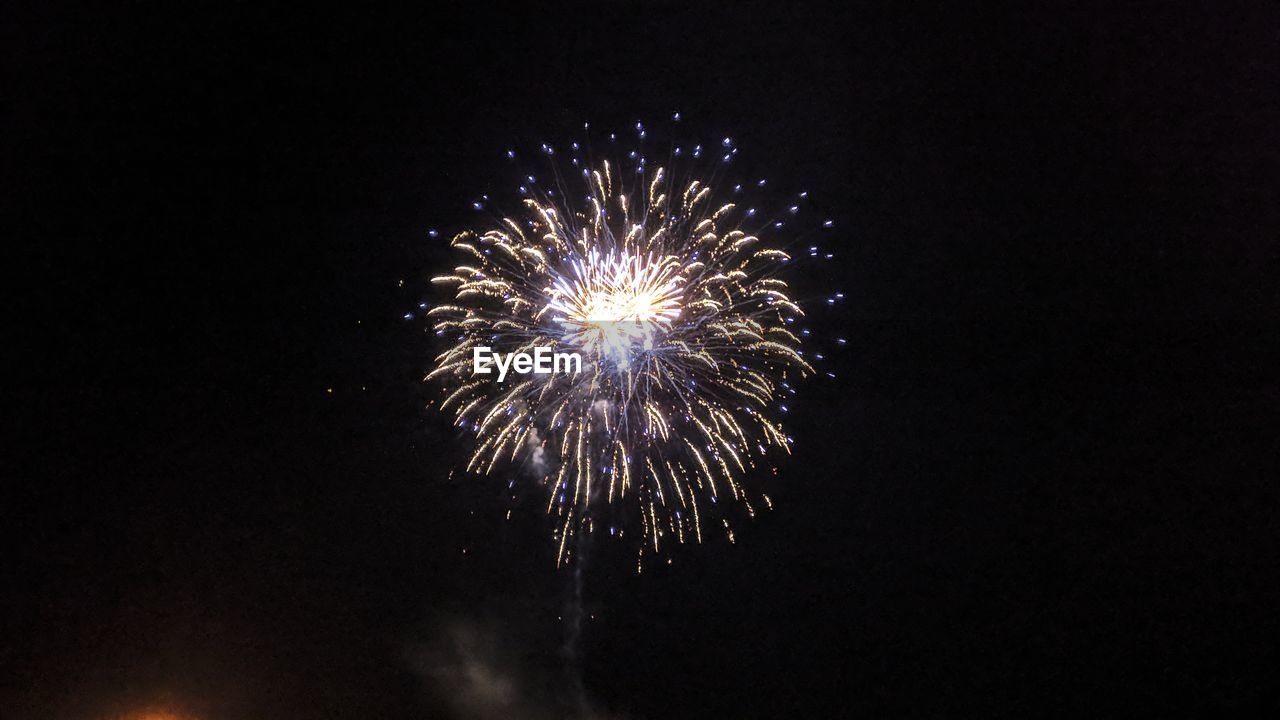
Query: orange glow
{"points": [[153, 714]]}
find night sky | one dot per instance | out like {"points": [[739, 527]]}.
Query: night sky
{"points": [[1039, 483]]}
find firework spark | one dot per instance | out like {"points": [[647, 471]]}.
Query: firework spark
{"points": [[681, 320]]}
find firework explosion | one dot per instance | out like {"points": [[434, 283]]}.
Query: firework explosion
{"points": [[682, 324]]}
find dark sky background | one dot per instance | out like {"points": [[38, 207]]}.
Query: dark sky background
{"points": [[1039, 483]]}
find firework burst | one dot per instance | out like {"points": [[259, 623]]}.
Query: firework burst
{"points": [[681, 318]]}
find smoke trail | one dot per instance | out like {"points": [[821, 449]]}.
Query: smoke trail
{"points": [[490, 670], [573, 616]]}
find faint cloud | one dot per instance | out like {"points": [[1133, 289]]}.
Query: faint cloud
{"points": [[479, 674]]}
